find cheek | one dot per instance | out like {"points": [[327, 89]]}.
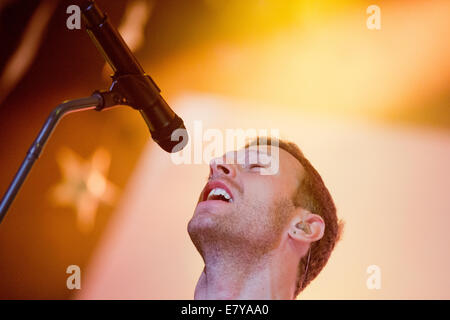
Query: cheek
{"points": [[263, 191]]}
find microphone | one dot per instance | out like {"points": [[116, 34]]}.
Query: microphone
{"points": [[136, 88]]}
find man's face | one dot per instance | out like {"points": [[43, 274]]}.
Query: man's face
{"points": [[242, 206]]}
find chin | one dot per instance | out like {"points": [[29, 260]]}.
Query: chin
{"points": [[208, 216], [200, 220], [200, 228]]}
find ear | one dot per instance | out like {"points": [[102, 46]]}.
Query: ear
{"points": [[306, 227]]}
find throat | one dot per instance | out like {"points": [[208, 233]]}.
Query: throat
{"points": [[261, 279]]}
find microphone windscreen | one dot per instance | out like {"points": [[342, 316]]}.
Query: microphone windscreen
{"points": [[172, 137]]}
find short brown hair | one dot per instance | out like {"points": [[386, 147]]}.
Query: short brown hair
{"points": [[313, 195]]}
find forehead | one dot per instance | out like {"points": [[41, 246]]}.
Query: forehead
{"points": [[290, 165]]}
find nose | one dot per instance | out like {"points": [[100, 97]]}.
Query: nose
{"points": [[218, 168]]}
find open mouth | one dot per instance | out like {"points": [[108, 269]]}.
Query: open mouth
{"points": [[219, 194], [216, 190]]}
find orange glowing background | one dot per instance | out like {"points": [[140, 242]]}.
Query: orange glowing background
{"points": [[369, 108]]}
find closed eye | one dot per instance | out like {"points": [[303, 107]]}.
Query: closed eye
{"points": [[256, 165]]}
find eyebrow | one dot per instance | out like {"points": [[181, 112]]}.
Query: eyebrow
{"points": [[257, 151], [267, 160], [247, 151]]}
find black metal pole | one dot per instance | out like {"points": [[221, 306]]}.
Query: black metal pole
{"points": [[36, 148]]}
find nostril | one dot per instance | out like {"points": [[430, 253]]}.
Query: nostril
{"points": [[224, 169]]}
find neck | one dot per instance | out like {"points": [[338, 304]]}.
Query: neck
{"points": [[235, 276]]}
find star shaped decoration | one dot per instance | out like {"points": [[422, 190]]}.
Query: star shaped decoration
{"points": [[84, 185]]}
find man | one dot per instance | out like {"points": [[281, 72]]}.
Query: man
{"points": [[262, 236]]}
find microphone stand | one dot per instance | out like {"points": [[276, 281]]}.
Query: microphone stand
{"points": [[98, 101], [131, 86]]}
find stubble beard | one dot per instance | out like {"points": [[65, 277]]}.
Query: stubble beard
{"points": [[245, 233]]}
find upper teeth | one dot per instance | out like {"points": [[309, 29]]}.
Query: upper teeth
{"points": [[219, 192]]}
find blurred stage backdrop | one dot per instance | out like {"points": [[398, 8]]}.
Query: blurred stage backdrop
{"points": [[370, 108]]}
